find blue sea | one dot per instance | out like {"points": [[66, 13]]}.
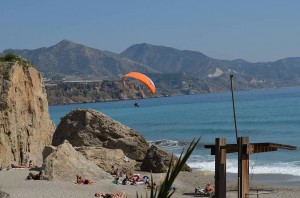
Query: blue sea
{"points": [[172, 122]]}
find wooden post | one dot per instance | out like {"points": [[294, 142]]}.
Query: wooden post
{"points": [[220, 168], [233, 107], [243, 167]]}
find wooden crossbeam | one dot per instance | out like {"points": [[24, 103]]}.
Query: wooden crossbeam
{"points": [[265, 146]]}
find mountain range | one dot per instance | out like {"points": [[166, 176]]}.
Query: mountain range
{"points": [[169, 67], [70, 59]]}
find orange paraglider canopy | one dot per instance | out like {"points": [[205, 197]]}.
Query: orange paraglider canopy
{"points": [[143, 78]]}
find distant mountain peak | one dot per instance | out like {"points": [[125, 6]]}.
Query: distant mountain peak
{"points": [[66, 41], [151, 46], [66, 44], [168, 59]]}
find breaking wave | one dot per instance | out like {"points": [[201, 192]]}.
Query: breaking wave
{"points": [[200, 160]]}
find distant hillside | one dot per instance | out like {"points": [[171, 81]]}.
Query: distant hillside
{"points": [[106, 90], [76, 62], [170, 60], [285, 72], [174, 72], [166, 85], [70, 59]]}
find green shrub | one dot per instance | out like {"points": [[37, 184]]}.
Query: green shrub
{"points": [[13, 58], [166, 190], [10, 57]]}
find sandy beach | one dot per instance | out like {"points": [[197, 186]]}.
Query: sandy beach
{"points": [[14, 183]]}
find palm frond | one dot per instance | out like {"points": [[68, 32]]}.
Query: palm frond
{"points": [[165, 190]]}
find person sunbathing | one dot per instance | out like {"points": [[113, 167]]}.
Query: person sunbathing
{"points": [[130, 175], [80, 180], [146, 179], [125, 181], [30, 165], [150, 186], [113, 170], [38, 176], [18, 166], [209, 189], [133, 179], [103, 195], [118, 172], [107, 195], [119, 195]]}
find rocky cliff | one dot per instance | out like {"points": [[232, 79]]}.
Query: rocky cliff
{"points": [[25, 125]]}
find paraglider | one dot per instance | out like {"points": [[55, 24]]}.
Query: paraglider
{"points": [[142, 78]]}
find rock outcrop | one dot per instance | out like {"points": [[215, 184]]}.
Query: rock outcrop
{"points": [[157, 161], [91, 128], [64, 163], [106, 158], [25, 125]]}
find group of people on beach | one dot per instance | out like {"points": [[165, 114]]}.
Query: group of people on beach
{"points": [[30, 164], [132, 179], [129, 179]]}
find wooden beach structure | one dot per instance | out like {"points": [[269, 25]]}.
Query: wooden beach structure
{"points": [[244, 149]]}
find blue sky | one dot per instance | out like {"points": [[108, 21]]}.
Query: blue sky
{"points": [[259, 30]]}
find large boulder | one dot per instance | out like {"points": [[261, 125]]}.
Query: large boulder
{"points": [[82, 127], [64, 163], [157, 160], [25, 125], [106, 158]]}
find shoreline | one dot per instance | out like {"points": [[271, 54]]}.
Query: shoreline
{"points": [[14, 183], [271, 179]]}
